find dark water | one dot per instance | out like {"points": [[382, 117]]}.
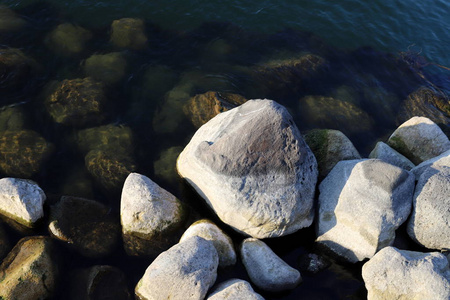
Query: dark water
{"points": [[375, 54]]}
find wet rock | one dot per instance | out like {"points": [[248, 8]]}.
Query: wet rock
{"points": [[267, 270], [419, 139], [243, 161], [5, 245], [99, 282], [29, 271], [12, 119], [165, 166], [77, 102], [435, 162], [21, 201], [16, 69], [87, 226], [361, 204], [330, 147], [384, 152], [429, 224], [221, 241], [68, 39], [107, 68], [150, 216], [9, 20], [22, 153], [313, 263], [203, 107], [129, 33], [185, 271], [401, 274], [77, 183], [382, 104], [234, 289], [327, 112], [117, 138]]}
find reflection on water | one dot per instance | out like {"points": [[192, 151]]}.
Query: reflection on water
{"points": [[82, 107]]}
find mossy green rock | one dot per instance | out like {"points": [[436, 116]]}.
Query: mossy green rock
{"points": [[129, 33], [115, 138], [108, 68], [9, 20], [12, 118], [165, 166], [68, 39]]}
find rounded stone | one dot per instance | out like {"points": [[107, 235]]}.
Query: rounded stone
{"points": [[68, 39], [234, 289], [129, 33], [107, 68]]}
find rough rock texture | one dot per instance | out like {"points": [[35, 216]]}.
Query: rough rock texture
{"points": [[150, 216], [330, 147], [203, 107], [435, 162], [386, 153], [128, 33], [23, 152], [68, 39], [361, 204], [12, 118], [108, 68], [313, 263], [234, 289], [252, 166], [400, 274], [429, 224], [265, 269], [29, 271], [185, 271], [77, 102], [221, 241], [111, 137], [21, 201], [419, 139], [86, 225], [9, 20]]}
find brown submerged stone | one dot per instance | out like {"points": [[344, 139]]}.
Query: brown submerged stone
{"points": [[15, 68], [129, 33]]}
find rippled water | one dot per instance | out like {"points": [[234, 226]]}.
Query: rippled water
{"points": [[375, 54]]}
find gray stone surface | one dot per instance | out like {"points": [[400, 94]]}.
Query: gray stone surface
{"points": [[149, 215], [419, 139], [21, 200], [361, 204], [234, 289], [429, 224], [400, 274], [254, 169], [185, 271], [441, 160], [386, 153], [266, 269], [221, 241]]}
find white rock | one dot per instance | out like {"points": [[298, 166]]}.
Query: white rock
{"points": [[400, 274], [429, 224], [254, 169], [386, 153], [234, 289], [21, 200], [221, 241], [361, 204], [441, 160], [185, 271], [419, 139], [266, 269]]}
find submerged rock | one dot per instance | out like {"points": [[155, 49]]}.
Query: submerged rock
{"points": [[401, 274], [150, 216], [30, 270], [12, 118], [68, 39], [107, 68], [128, 33], [77, 102], [165, 166], [386, 153], [361, 204], [265, 269], [185, 271], [115, 138], [21, 201], [234, 289], [9, 20], [22, 153], [251, 165], [16, 69]]}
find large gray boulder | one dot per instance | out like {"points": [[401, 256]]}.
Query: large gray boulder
{"points": [[385, 152], [254, 169], [361, 204], [185, 271], [21, 201], [234, 289], [401, 274], [429, 224], [419, 139], [150, 216], [441, 160]]}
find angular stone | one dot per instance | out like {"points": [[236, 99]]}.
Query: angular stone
{"points": [[361, 204], [435, 162], [221, 241], [150, 216], [419, 139], [29, 271], [68, 39], [234, 289], [401, 274], [254, 169], [185, 271], [386, 153], [266, 269], [128, 33], [107, 68], [330, 147], [21, 201]]}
